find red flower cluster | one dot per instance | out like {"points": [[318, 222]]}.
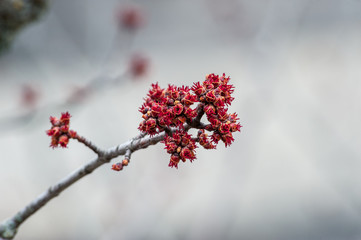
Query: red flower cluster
{"points": [[169, 108], [215, 94], [204, 140], [181, 147], [166, 108], [59, 132]]}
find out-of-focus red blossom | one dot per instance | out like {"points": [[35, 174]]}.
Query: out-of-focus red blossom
{"points": [[65, 119], [131, 17], [72, 134], [139, 65], [63, 140], [59, 132], [29, 95], [169, 108]]}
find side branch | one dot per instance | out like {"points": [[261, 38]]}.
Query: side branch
{"points": [[90, 145], [8, 229]]}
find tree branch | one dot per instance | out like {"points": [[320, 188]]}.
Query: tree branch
{"points": [[9, 228], [90, 145]]}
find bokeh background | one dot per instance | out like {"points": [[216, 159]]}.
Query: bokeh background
{"points": [[292, 173]]}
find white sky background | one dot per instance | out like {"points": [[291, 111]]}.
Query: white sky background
{"points": [[292, 173]]}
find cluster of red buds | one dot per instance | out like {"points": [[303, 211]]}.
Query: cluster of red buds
{"points": [[59, 132], [181, 147], [170, 110], [215, 94], [167, 108]]}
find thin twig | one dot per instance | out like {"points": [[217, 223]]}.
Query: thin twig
{"points": [[90, 145]]}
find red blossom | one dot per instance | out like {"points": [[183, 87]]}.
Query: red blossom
{"points": [[181, 147], [72, 134], [185, 140], [156, 109], [236, 127], [210, 96], [190, 113], [219, 101], [233, 117], [130, 17], [164, 121], [64, 128], [54, 143], [172, 92], [189, 99], [222, 114], [55, 131], [224, 128], [209, 109], [65, 118], [156, 92], [168, 107], [178, 109], [198, 89], [227, 139], [59, 132], [151, 123], [138, 65], [215, 137], [63, 140], [204, 141], [54, 121], [177, 138], [171, 147], [170, 110], [174, 160], [186, 153], [214, 122]]}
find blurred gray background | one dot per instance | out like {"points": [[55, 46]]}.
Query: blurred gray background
{"points": [[292, 173]]}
